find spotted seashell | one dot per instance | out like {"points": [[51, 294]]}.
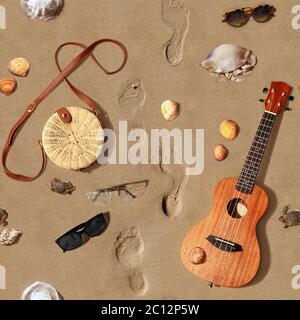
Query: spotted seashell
{"points": [[170, 110], [19, 67], [220, 152], [8, 85], [229, 129], [9, 236], [42, 10]]}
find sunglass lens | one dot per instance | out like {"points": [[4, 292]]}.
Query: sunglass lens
{"points": [[237, 18], [70, 241], [95, 226], [262, 13]]}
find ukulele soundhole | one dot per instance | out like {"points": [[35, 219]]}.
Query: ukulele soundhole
{"points": [[237, 208]]}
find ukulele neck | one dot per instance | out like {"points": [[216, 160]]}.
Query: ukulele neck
{"points": [[247, 178]]}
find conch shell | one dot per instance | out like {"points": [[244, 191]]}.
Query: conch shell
{"points": [[19, 67], [230, 61], [9, 236], [229, 129], [40, 291], [170, 110], [42, 10], [8, 85]]}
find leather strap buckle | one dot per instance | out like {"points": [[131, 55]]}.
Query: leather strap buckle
{"points": [[31, 107]]}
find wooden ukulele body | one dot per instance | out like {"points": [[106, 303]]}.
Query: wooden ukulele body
{"points": [[223, 267]]}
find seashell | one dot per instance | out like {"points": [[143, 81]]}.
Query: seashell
{"points": [[220, 152], [9, 236], [197, 255], [170, 110], [42, 10], [40, 291], [229, 129], [3, 217], [62, 187], [228, 57], [19, 67], [8, 85]]}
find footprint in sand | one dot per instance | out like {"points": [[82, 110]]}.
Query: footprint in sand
{"points": [[129, 251], [132, 97], [172, 203], [177, 17]]}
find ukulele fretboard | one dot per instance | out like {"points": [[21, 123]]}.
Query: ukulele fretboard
{"points": [[254, 158]]}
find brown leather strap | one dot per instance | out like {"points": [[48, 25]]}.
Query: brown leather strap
{"points": [[88, 51]]}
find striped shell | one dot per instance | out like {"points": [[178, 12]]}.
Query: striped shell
{"points": [[229, 129], [8, 85], [75, 145], [42, 10], [170, 110], [220, 152], [19, 67]]}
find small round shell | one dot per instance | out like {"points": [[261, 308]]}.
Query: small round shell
{"points": [[229, 129], [19, 67], [8, 85], [220, 152], [197, 255], [170, 110]]}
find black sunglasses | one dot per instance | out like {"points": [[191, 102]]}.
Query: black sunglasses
{"points": [[240, 17], [73, 239]]}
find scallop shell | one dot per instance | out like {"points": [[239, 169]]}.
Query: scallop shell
{"points": [[170, 110], [228, 57], [40, 291], [42, 10], [8, 85], [220, 152], [229, 129], [75, 145], [197, 255], [19, 66], [9, 236]]}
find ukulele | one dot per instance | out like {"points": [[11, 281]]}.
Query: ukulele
{"points": [[223, 248]]}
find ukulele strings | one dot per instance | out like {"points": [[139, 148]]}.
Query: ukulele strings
{"points": [[276, 109], [237, 194]]}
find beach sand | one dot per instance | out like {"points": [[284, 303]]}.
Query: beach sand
{"points": [[139, 254]]}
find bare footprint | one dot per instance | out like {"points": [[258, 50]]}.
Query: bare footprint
{"points": [[132, 96], [172, 203], [177, 17], [129, 251]]}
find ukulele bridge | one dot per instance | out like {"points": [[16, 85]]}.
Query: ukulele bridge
{"points": [[224, 245]]}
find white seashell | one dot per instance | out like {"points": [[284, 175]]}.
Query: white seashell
{"points": [[42, 9], [40, 291], [9, 236], [237, 72], [19, 66], [170, 110], [227, 58]]}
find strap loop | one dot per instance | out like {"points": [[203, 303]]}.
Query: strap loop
{"points": [[64, 73]]}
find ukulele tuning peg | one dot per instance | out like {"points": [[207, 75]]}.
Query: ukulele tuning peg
{"points": [[287, 109], [210, 285], [265, 90], [262, 100]]}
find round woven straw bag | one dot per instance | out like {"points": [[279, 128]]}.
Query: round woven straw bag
{"points": [[72, 138]]}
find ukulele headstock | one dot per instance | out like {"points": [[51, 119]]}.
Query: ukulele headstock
{"points": [[278, 95]]}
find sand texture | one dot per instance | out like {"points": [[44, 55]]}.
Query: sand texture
{"points": [[138, 256]]}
